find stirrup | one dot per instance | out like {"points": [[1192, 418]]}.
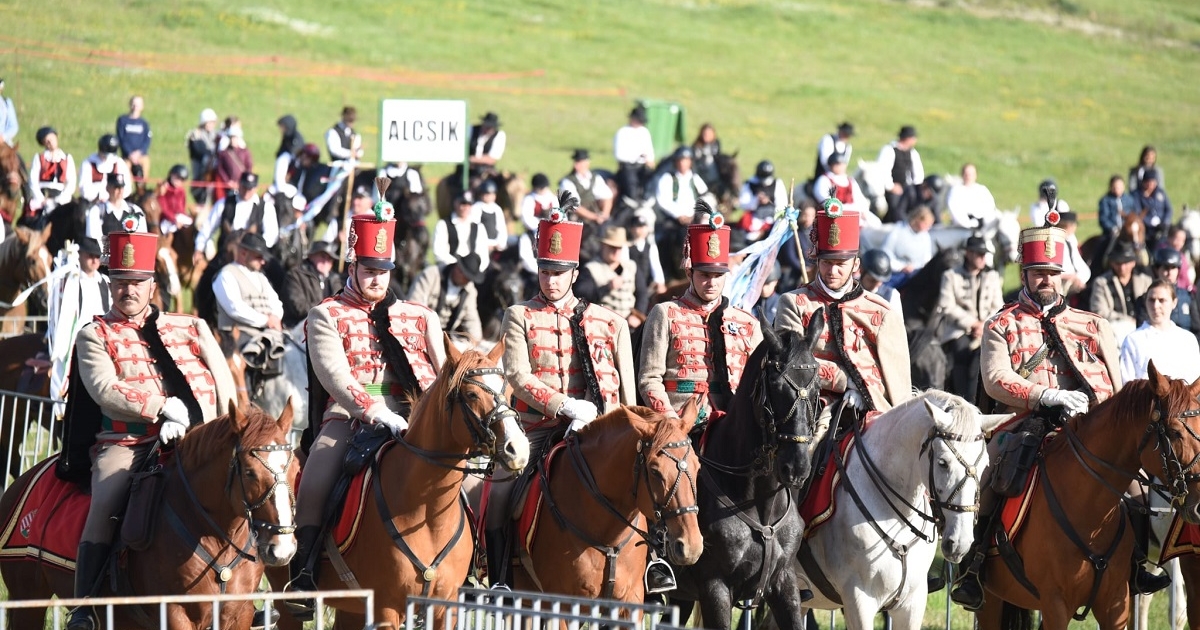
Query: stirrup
{"points": [[265, 618], [659, 577], [82, 618], [300, 609]]}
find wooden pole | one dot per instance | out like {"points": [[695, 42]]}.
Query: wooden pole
{"points": [[344, 227], [796, 234]]}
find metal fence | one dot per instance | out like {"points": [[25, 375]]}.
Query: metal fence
{"points": [[480, 609], [29, 432], [156, 607], [12, 326]]}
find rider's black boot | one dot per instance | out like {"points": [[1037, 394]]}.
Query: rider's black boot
{"points": [[968, 589], [1141, 580], [660, 578], [498, 557], [303, 572], [89, 567]]}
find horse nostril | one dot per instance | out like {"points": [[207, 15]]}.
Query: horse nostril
{"points": [[679, 549]]}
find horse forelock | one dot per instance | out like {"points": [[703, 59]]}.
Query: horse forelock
{"points": [[449, 378]]}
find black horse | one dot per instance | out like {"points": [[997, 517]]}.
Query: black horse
{"points": [[754, 460], [505, 283]]}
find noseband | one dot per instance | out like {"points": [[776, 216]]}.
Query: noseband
{"points": [[1180, 475], [939, 505], [279, 483]]}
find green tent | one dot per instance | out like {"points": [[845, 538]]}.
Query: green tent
{"points": [[666, 123]]}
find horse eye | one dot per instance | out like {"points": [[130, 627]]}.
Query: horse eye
{"points": [[472, 396], [944, 463]]}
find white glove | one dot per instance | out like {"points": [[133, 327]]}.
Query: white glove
{"points": [[299, 202], [1074, 402], [392, 420], [580, 411], [173, 410], [576, 425], [170, 430], [854, 400]]}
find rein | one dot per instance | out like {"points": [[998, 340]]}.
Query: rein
{"points": [[482, 435]]}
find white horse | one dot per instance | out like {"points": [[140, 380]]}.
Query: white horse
{"points": [[874, 180], [914, 471], [1003, 232], [292, 384]]}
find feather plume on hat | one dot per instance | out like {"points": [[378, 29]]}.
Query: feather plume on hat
{"points": [[568, 202]]}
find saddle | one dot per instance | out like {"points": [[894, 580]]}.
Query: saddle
{"points": [[263, 352]]}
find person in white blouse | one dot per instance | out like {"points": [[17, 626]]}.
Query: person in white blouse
{"points": [[970, 203], [1076, 272], [1173, 349], [837, 142], [835, 182], [460, 234], [633, 149], [52, 174], [679, 188]]}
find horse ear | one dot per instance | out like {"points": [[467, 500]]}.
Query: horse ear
{"points": [[285, 418], [1162, 384], [989, 422], [941, 418], [770, 335], [497, 352], [452, 353], [240, 420], [1194, 390], [816, 326], [689, 412]]}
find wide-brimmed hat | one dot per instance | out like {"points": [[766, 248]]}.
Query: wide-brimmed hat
{"points": [[977, 244], [580, 155], [490, 119], [322, 247], [471, 267], [254, 242], [614, 236], [1122, 252]]}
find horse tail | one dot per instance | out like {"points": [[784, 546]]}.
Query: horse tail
{"points": [[1013, 617]]}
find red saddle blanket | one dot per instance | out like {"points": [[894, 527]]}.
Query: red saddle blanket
{"points": [[357, 497], [1015, 509], [819, 506], [47, 521], [534, 498], [1183, 538]]}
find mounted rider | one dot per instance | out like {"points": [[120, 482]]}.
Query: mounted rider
{"points": [[697, 345], [138, 376], [52, 175], [114, 214], [863, 353], [248, 212], [369, 354], [1047, 361], [248, 305], [93, 173], [566, 360]]}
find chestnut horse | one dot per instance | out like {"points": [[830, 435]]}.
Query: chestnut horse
{"points": [[597, 514], [418, 483], [228, 494], [13, 180], [24, 261], [1076, 541]]}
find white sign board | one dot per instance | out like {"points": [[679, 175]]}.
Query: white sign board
{"points": [[423, 131]]}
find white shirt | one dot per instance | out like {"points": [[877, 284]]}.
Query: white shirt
{"points": [[333, 142], [749, 201], [633, 145], [887, 159], [93, 177], [970, 205], [656, 270], [283, 163], [907, 247], [1173, 349], [1039, 210], [498, 143], [229, 296], [529, 208], [823, 189], [94, 225], [241, 217], [410, 176], [93, 290], [683, 205], [66, 189], [501, 241], [1073, 262], [441, 240], [599, 188], [829, 143]]}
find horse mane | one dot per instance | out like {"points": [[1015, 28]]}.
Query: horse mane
{"points": [[964, 414], [447, 380], [617, 419], [1135, 399], [214, 441]]}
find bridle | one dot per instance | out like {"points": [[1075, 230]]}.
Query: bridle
{"points": [[939, 505], [279, 483], [805, 402], [1179, 474], [481, 428]]}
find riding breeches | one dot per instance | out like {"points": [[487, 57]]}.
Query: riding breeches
{"points": [[112, 472], [321, 471], [499, 506]]}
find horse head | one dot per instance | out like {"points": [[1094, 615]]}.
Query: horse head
{"points": [[789, 398], [955, 455], [668, 466], [874, 181], [472, 387], [13, 175], [1170, 448], [259, 480]]}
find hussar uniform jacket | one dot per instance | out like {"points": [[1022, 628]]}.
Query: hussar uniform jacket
{"points": [[677, 356], [1015, 334], [348, 358], [874, 340], [964, 300], [541, 364], [117, 369]]}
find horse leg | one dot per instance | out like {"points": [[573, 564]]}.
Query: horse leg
{"points": [[1189, 566], [349, 621], [908, 614], [860, 613], [785, 606], [716, 603]]}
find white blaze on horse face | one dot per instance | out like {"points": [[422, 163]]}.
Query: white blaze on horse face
{"points": [[516, 444], [285, 545]]}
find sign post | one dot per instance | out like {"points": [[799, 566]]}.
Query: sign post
{"points": [[427, 132]]}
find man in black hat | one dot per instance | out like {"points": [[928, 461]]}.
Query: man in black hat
{"points": [[487, 146], [460, 234], [970, 294], [342, 141], [633, 148], [1116, 292], [52, 174], [900, 158], [245, 298], [310, 282], [449, 291], [251, 213], [114, 213], [595, 197], [98, 166], [836, 142]]}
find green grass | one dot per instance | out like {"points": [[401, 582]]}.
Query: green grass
{"points": [[1024, 88]]}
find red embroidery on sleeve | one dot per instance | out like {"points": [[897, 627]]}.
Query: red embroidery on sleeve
{"points": [[131, 394], [877, 318], [827, 372], [540, 394], [361, 397], [1016, 389]]}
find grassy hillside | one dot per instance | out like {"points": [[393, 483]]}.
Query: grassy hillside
{"points": [[1025, 89]]}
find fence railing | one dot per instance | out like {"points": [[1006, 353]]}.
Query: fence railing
{"points": [[156, 606], [480, 609], [14, 326], [28, 432]]}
